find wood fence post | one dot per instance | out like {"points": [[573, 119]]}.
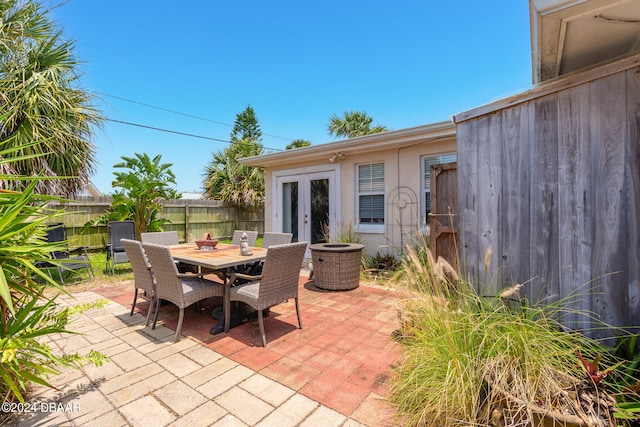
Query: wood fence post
{"points": [[186, 222]]}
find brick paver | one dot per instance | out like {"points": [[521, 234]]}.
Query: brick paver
{"points": [[320, 375]]}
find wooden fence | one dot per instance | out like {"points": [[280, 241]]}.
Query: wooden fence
{"points": [[550, 182], [190, 218]]}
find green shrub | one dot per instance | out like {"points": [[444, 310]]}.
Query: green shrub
{"points": [[386, 262], [25, 357]]}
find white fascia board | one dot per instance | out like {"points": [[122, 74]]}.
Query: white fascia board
{"points": [[545, 7], [374, 142]]}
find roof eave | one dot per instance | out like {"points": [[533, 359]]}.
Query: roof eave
{"points": [[373, 142]]}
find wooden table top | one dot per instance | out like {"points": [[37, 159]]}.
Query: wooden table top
{"points": [[222, 256]]}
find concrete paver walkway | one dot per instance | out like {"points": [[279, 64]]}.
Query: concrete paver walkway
{"points": [[333, 372]]}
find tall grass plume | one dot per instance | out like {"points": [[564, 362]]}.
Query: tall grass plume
{"points": [[473, 360]]}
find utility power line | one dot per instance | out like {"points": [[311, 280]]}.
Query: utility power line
{"points": [[179, 133], [180, 113]]}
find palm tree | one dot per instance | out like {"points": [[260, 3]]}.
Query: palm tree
{"points": [[298, 143], [38, 89], [352, 124], [227, 180], [230, 181]]}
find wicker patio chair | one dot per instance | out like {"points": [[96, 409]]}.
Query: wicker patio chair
{"points": [[142, 274], [179, 289], [277, 283], [237, 235], [117, 230], [166, 238], [271, 238]]}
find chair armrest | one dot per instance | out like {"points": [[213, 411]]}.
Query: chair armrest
{"points": [[190, 275], [78, 250], [248, 277]]}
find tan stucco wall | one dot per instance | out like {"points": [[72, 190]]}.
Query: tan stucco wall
{"points": [[402, 187]]}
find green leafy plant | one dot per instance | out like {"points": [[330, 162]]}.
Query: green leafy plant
{"points": [[627, 348], [142, 187], [387, 262], [625, 379], [44, 147], [22, 218], [24, 357]]}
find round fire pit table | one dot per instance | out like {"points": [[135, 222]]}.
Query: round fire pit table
{"points": [[336, 266]]}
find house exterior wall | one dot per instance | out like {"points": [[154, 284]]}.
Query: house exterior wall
{"points": [[402, 170], [549, 187]]}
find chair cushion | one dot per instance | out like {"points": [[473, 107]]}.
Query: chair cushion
{"points": [[247, 291], [195, 289]]}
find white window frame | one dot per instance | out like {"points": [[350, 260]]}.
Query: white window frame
{"points": [[368, 227], [425, 184]]}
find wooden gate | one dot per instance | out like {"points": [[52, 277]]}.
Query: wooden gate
{"points": [[443, 219]]}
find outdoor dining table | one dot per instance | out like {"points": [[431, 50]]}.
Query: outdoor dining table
{"points": [[223, 258]]}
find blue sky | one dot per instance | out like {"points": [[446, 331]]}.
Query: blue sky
{"points": [[405, 63]]}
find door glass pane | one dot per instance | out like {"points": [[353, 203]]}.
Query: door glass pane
{"points": [[319, 209], [290, 209]]}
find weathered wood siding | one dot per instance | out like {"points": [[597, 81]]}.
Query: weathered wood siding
{"points": [[549, 190]]}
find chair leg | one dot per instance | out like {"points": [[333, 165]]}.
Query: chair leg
{"points": [[298, 313], [109, 263], [180, 319], [90, 268], [152, 304], [261, 324], [135, 297], [60, 274], [155, 317]]}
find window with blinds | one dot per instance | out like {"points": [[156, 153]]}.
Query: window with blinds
{"points": [[427, 161], [371, 193]]}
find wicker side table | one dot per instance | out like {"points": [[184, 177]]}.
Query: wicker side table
{"points": [[336, 266]]}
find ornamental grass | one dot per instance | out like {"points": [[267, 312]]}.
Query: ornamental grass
{"points": [[490, 361]]}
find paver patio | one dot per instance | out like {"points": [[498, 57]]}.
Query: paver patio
{"points": [[333, 372]]}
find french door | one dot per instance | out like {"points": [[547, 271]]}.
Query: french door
{"points": [[306, 205]]}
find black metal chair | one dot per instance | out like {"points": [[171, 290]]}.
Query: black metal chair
{"points": [[115, 251], [65, 259]]}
